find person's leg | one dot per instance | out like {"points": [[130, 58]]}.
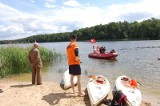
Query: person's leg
{"points": [[39, 80], [72, 83], [1, 90], [33, 75], [80, 93], [79, 83]]}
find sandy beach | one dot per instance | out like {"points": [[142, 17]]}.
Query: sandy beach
{"points": [[17, 93]]}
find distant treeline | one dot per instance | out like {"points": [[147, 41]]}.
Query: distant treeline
{"points": [[145, 30]]}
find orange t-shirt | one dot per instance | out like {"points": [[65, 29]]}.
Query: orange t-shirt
{"points": [[71, 54]]}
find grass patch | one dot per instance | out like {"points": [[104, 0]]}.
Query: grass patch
{"points": [[14, 60]]}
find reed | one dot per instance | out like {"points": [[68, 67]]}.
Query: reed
{"points": [[14, 60]]}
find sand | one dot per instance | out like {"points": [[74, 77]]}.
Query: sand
{"points": [[48, 94]]}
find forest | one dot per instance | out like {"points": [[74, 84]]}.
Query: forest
{"points": [[145, 30]]}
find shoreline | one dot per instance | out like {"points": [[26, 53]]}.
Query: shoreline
{"points": [[18, 93]]}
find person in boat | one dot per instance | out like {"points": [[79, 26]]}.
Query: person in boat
{"points": [[74, 64], [96, 49], [102, 49], [112, 51]]}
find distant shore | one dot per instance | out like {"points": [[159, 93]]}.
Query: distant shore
{"points": [[17, 93]]}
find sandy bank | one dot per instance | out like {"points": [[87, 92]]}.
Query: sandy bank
{"points": [[47, 94]]}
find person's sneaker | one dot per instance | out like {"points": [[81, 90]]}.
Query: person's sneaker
{"points": [[39, 83], [1, 90]]}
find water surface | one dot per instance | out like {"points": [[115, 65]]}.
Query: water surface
{"points": [[137, 59]]}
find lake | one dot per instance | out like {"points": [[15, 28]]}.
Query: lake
{"points": [[136, 59]]}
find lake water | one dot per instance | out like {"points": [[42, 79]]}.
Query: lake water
{"points": [[136, 59]]}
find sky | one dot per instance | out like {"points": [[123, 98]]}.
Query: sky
{"points": [[23, 18]]}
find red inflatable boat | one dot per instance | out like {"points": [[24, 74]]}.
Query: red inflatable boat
{"points": [[106, 55]]}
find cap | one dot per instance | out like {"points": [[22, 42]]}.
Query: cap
{"points": [[35, 43]]}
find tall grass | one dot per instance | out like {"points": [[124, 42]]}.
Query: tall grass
{"points": [[15, 59]]}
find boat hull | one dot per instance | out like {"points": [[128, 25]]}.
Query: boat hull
{"points": [[66, 79], [133, 94], [106, 55], [97, 92]]}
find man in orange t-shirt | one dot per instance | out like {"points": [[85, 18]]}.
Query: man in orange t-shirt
{"points": [[74, 64]]}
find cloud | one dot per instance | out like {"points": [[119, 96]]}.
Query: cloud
{"points": [[50, 4], [134, 11], [32, 1], [16, 24], [70, 16], [72, 3], [130, 17], [12, 32], [52, 1]]}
